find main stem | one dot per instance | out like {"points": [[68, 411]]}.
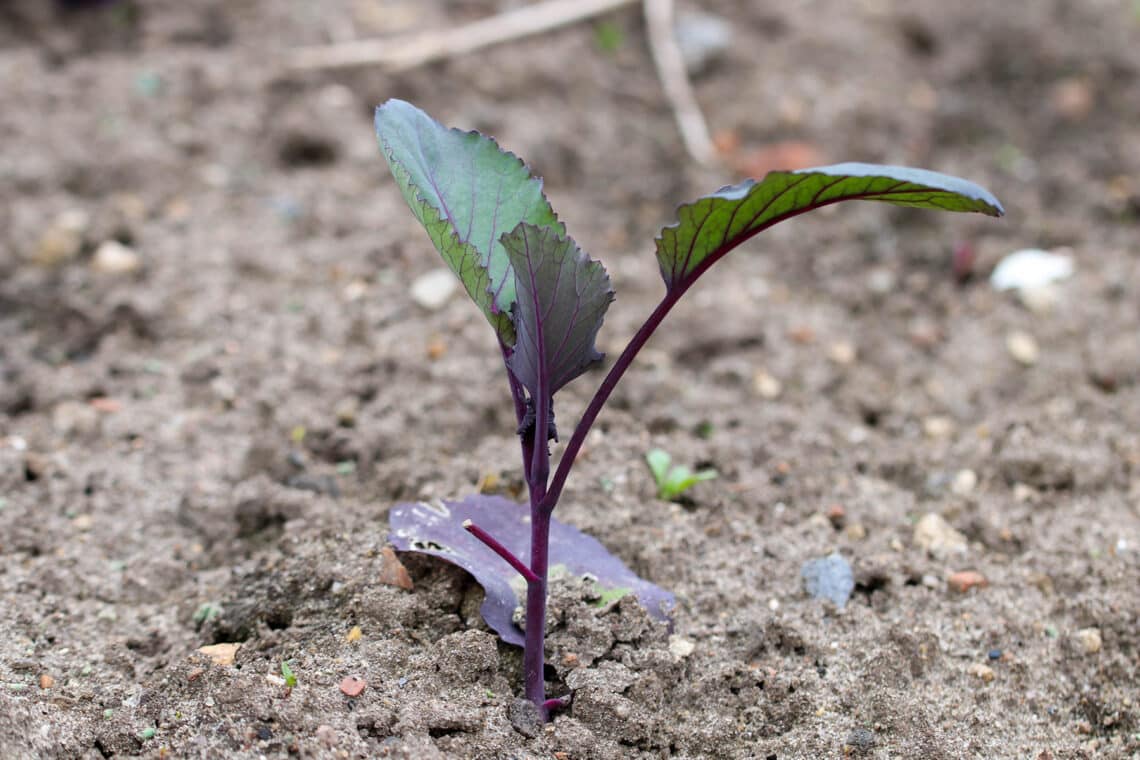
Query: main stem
{"points": [[534, 654]]}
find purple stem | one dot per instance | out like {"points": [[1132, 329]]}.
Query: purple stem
{"points": [[534, 645], [494, 545]]}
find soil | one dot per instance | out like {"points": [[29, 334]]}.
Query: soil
{"points": [[201, 436]]}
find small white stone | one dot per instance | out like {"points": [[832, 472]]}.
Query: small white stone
{"points": [[431, 290], [964, 482], [842, 353], [881, 281], [1090, 640], [680, 647], [112, 257], [773, 604], [767, 386], [1022, 347], [937, 427], [1030, 268], [933, 534], [355, 290]]}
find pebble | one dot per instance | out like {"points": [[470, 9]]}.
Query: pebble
{"points": [[63, 240], [436, 348], [1072, 98], [882, 281], [964, 482], [112, 257], [861, 740], [964, 580], [432, 289], [354, 635], [855, 531], [680, 647], [766, 386], [1022, 347], [842, 353], [938, 427], [46, 681], [221, 654], [1089, 640], [1030, 268], [934, 535], [994, 654], [984, 672], [829, 578], [352, 686]]}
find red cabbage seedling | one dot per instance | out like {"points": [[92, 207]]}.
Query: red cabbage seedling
{"points": [[673, 479], [545, 299]]}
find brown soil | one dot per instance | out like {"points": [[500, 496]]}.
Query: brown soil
{"points": [[203, 450]]}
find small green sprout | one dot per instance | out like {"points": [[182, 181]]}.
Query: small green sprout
{"points": [[205, 613], [673, 480], [288, 674]]}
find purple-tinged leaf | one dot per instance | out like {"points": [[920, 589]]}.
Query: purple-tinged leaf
{"points": [[712, 226], [466, 192], [438, 531], [562, 297]]}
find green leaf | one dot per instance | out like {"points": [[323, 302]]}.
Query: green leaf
{"points": [[681, 479], [288, 674], [467, 192], [659, 461], [712, 226], [563, 295]]}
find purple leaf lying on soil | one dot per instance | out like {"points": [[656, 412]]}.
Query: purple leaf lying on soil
{"points": [[439, 531]]}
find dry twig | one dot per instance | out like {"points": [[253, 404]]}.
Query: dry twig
{"points": [[434, 45], [409, 52], [675, 81]]}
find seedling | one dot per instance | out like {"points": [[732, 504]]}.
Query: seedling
{"points": [[288, 674], [545, 300], [673, 479]]}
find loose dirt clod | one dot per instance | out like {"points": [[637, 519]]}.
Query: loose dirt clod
{"points": [[221, 654]]}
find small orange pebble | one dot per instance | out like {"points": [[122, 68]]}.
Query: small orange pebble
{"points": [[964, 580], [353, 686], [436, 348], [105, 405], [46, 681]]}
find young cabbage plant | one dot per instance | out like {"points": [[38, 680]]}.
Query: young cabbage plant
{"points": [[546, 299], [673, 479]]}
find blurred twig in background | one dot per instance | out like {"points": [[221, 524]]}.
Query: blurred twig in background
{"points": [[433, 45], [418, 49]]}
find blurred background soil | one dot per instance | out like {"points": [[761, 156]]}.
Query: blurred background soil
{"points": [[215, 380]]}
